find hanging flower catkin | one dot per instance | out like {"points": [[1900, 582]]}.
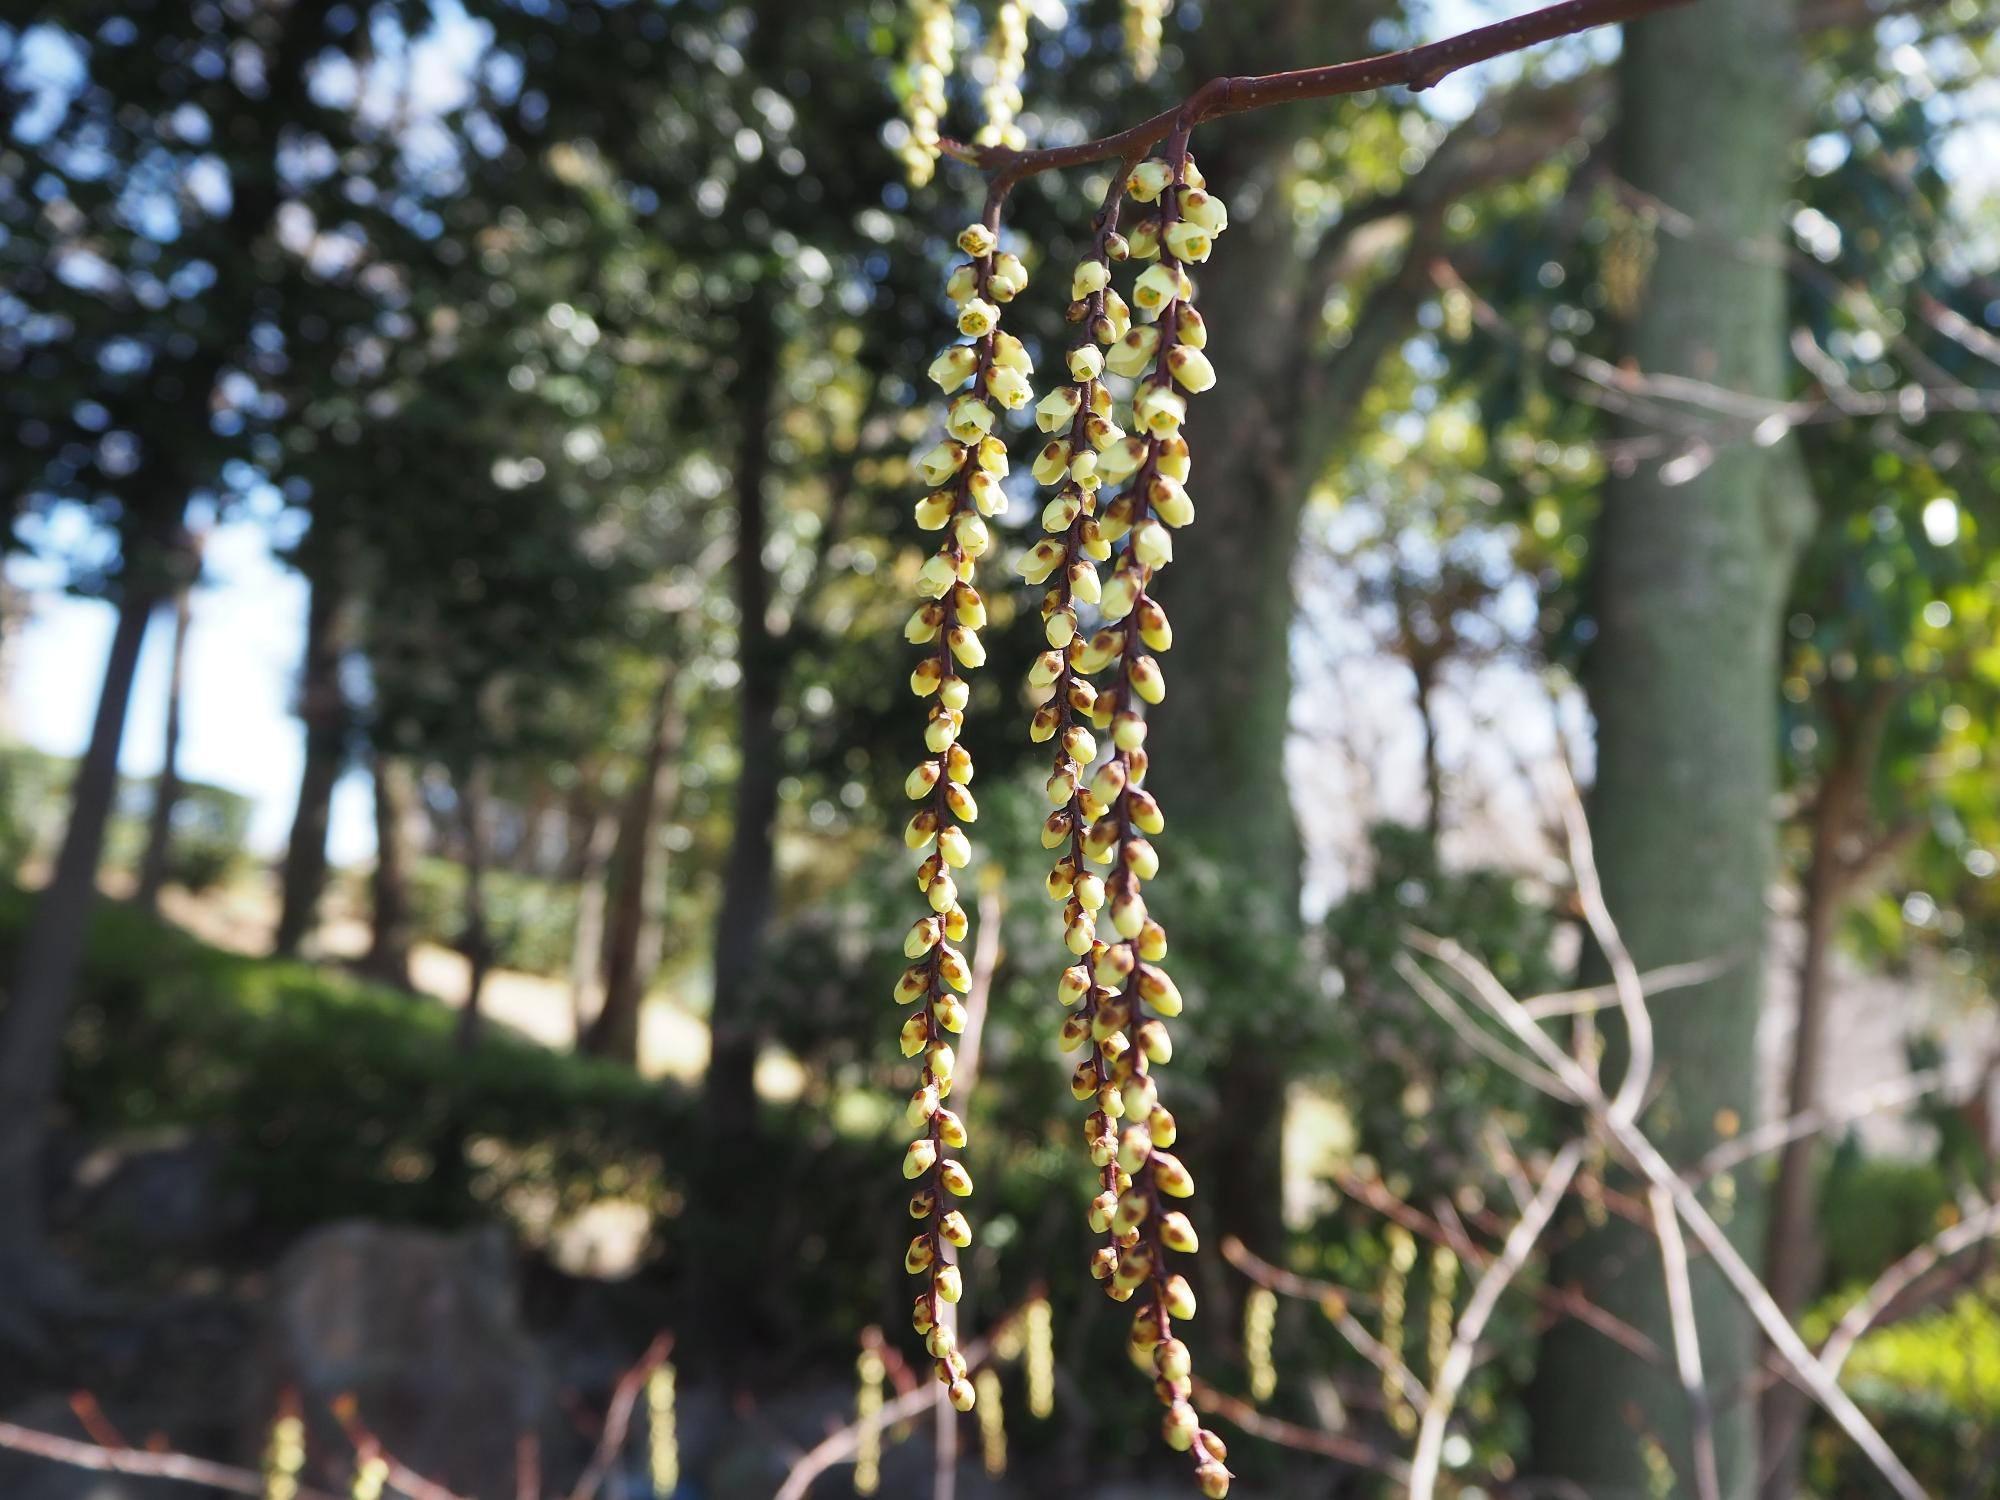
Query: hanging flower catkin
{"points": [[926, 66], [964, 472], [1143, 30], [1006, 56], [1119, 996]]}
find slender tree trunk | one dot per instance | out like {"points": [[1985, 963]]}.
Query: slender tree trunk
{"points": [[1689, 586], [1795, 1254], [1426, 673], [153, 866], [475, 938], [51, 956], [393, 924], [729, 1094], [586, 990], [324, 713], [629, 958]]}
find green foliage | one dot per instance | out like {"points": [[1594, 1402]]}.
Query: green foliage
{"points": [[1932, 1384], [332, 1095], [210, 823], [531, 920], [1874, 1210]]}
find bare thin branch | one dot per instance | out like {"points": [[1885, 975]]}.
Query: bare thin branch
{"points": [[1817, 1121], [618, 1417], [1687, 1342], [1893, 1282], [1639, 1149], [139, 1462], [1290, 1435], [1331, 1301], [1493, 1281]]}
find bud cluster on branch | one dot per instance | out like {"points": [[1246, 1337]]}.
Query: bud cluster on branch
{"points": [[1118, 996], [964, 471]]}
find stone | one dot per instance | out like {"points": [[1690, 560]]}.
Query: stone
{"points": [[423, 1330]]}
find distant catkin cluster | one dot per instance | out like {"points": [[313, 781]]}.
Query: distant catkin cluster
{"points": [[1117, 994], [1144, 26], [963, 471], [927, 66], [1007, 56]]}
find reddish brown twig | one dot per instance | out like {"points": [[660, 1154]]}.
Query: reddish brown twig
{"points": [[367, 1445], [618, 1416], [139, 1462], [1416, 68], [1290, 1435]]}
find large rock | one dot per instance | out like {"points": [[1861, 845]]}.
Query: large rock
{"points": [[423, 1330]]}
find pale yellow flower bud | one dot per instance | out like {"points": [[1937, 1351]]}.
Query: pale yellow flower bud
{"points": [[966, 646], [1083, 583], [1179, 1426], [977, 241], [1158, 1046], [938, 574], [1169, 500], [915, 1035], [1149, 179], [923, 625], [955, 847], [1118, 597], [955, 1229], [921, 1156], [917, 1259], [1188, 241], [954, 366], [1189, 328], [1039, 563], [1086, 362], [941, 463], [961, 803], [1180, 1297], [962, 285], [957, 1181], [1131, 354], [978, 318], [962, 1396], [1159, 409], [1051, 465], [1145, 241], [1089, 276], [1155, 288], [926, 677], [1055, 411], [1158, 990], [992, 457], [942, 893], [1009, 387], [1148, 681], [1191, 368], [953, 695], [1011, 354], [969, 419]]}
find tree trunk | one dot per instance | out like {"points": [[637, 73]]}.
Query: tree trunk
{"points": [[587, 943], [729, 1092], [1218, 742], [629, 958], [725, 1272], [1689, 584], [393, 923], [153, 866], [475, 938], [1794, 1253], [45, 976], [323, 712]]}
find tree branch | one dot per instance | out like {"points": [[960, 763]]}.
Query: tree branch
{"points": [[1417, 68]]}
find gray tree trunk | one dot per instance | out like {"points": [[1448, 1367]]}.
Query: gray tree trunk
{"points": [[155, 864], [51, 957], [629, 957], [323, 711], [1689, 584], [393, 924]]}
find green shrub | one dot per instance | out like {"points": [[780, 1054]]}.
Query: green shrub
{"points": [[332, 1096]]}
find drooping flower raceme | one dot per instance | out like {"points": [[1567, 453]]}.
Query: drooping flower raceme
{"points": [[1143, 30], [990, 369], [926, 66], [1118, 995], [1006, 56]]}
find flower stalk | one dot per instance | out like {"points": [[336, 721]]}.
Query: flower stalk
{"points": [[1118, 996], [964, 471]]}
